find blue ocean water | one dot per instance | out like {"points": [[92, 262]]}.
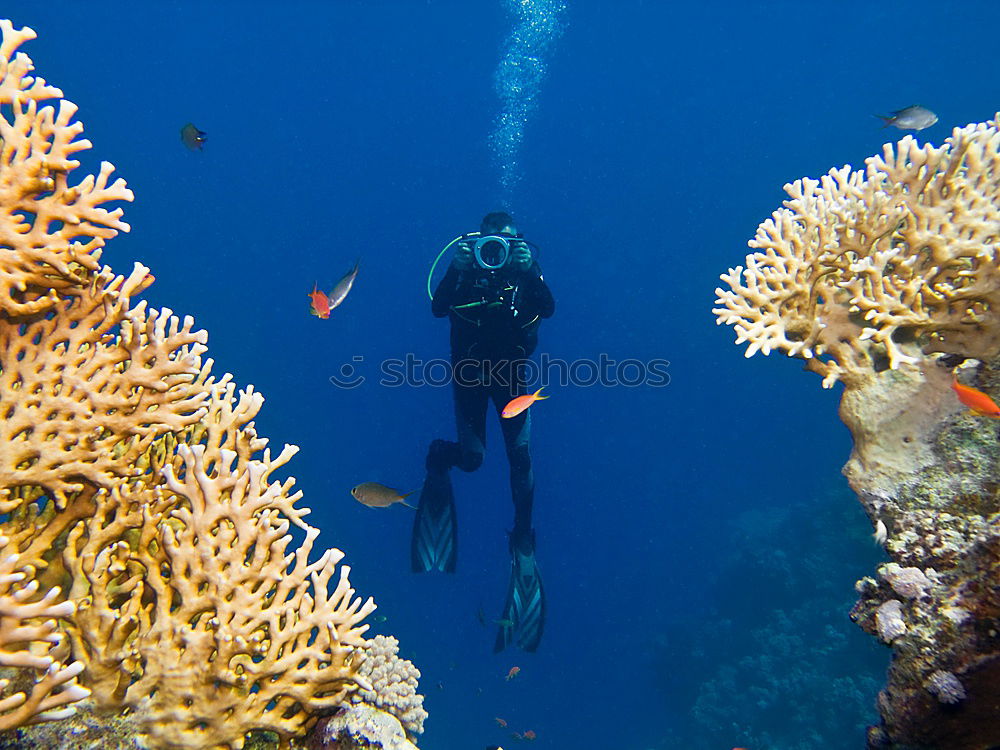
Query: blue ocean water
{"points": [[697, 541]]}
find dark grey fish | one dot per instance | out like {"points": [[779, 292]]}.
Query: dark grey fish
{"points": [[912, 118], [340, 292], [192, 137]]}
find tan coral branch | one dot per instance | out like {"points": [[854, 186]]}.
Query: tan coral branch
{"points": [[82, 401], [57, 230], [859, 268], [27, 619]]}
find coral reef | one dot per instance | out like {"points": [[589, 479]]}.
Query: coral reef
{"points": [[133, 480], [887, 280], [384, 714], [86, 729], [946, 687], [889, 620], [943, 534], [393, 683], [360, 726], [774, 664]]}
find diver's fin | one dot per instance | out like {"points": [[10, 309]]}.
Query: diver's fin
{"points": [[435, 531], [523, 618]]}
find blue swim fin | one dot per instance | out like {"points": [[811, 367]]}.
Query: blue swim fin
{"points": [[523, 618], [434, 545]]}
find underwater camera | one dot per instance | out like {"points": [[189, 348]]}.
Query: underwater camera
{"points": [[492, 252]]}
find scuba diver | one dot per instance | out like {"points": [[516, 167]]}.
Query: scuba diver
{"points": [[495, 297]]}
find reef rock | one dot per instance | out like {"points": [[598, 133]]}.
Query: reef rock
{"points": [[932, 479]]}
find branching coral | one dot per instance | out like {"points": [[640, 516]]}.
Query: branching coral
{"points": [[135, 479], [30, 642], [85, 389], [190, 613], [56, 230], [857, 265], [202, 624]]}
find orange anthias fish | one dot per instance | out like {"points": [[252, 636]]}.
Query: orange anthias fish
{"points": [[319, 303], [977, 401], [500, 722], [514, 671], [322, 304], [519, 404], [528, 735]]}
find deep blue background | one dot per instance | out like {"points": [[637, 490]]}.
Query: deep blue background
{"points": [[663, 136]]}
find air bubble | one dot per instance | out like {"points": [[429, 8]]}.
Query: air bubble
{"points": [[538, 25]]}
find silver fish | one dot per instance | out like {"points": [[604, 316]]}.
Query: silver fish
{"points": [[343, 288], [911, 118]]}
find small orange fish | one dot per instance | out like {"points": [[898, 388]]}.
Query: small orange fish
{"points": [[320, 303], [977, 401], [528, 735], [514, 671], [500, 722], [519, 404]]}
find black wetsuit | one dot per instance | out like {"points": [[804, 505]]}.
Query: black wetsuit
{"points": [[494, 329]]}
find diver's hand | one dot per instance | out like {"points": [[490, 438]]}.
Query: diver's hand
{"points": [[462, 260], [520, 255]]}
